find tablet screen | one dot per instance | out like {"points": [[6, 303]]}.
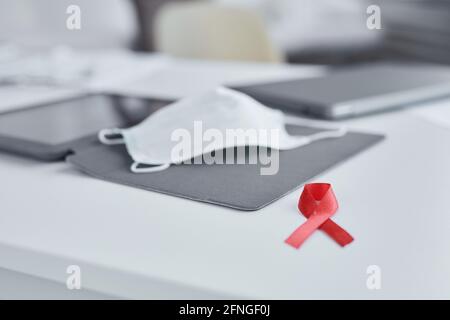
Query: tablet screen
{"points": [[72, 119]]}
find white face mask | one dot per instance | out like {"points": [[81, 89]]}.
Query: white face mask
{"points": [[216, 113]]}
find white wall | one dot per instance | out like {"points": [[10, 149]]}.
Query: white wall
{"points": [[104, 23]]}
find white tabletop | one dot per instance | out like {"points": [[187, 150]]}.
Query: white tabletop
{"points": [[138, 244]]}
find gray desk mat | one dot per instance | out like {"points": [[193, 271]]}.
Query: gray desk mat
{"points": [[239, 186]]}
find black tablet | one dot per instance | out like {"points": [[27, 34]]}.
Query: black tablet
{"points": [[52, 131]]}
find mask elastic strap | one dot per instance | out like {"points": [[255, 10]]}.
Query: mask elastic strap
{"points": [[104, 138], [332, 131], [135, 168]]}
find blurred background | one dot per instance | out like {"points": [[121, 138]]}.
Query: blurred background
{"points": [[326, 32]]}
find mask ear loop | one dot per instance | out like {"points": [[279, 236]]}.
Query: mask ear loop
{"points": [[332, 131], [103, 136], [135, 168]]}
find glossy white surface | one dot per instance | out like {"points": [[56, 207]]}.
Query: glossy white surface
{"points": [[138, 244]]}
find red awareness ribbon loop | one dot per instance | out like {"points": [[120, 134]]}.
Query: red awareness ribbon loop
{"points": [[318, 203]]}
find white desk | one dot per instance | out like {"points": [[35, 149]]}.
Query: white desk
{"points": [[137, 244]]}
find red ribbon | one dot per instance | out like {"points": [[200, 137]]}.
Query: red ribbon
{"points": [[318, 203]]}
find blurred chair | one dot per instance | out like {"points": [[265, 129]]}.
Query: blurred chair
{"points": [[212, 31]]}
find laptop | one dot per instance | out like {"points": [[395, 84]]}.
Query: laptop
{"points": [[356, 91]]}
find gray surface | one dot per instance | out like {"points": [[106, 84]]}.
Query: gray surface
{"points": [[237, 186]]}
